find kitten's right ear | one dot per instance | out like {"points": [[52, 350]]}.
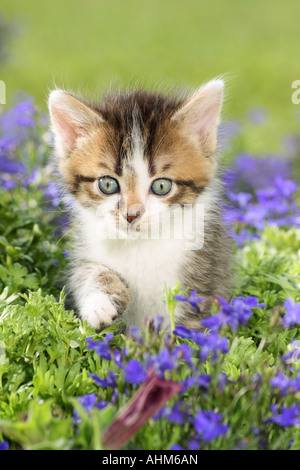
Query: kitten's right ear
{"points": [[199, 116], [70, 118]]}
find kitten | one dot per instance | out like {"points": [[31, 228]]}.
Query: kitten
{"points": [[142, 170]]}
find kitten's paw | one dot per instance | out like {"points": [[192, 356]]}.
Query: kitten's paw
{"points": [[98, 310]]}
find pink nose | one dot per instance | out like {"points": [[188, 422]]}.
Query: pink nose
{"points": [[130, 218]]}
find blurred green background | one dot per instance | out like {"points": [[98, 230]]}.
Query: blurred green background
{"points": [[94, 44]]}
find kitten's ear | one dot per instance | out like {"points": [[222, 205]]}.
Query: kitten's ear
{"points": [[70, 118], [200, 115]]}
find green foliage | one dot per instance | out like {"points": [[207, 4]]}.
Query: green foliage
{"points": [[45, 364]]}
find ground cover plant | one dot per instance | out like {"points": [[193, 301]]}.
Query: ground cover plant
{"points": [[235, 384]]}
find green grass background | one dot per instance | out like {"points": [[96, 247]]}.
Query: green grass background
{"points": [[93, 44]]}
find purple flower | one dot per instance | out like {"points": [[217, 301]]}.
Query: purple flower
{"points": [[134, 372], [53, 194], [214, 322], [290, 416], [88, 401], [109, 336], [281, 382], [4, 445], [210, 343], [204, 380], [9, 184], [135, 332], [24, 113], [101, 347], [294, 353], [183, 332], [208, 424], [243, 236], [239, 310], [16, 124], [157, 323], [222, 381], [102, 404], [173, 415], [193, 300], [186, 352], [194, 444], [249, 172], [176, 447], [286, 385], [9, 165], [242, 199], [187, 383], [292, 316], [118, 358], [163, 361], [260, 192], [109, 381]]}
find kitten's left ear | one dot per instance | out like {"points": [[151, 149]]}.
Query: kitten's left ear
{"points": [[200, 115], [71, 118]]}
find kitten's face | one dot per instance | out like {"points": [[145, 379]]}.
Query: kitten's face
{"points": [[136, 158]]}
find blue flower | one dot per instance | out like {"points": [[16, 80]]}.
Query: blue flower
{"points": [[101, 347], [186, 352], [88, 401], [292, 316], [204, 380], [102, 404], [53, 194], [177, 447], [9, 165], [239, 310], [4, 445], [290, 416], [183, 332], [187, 383], [193, 300], [135, 332], [109, 381], [285, 384], [214, 322], [210, 343], [208, 424], [157, 323], [109, 336], [134, 372], [163, 361], [175, 414], [118, 358]]}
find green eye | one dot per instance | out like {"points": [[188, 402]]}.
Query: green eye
{"points": [[161, 186], [108, 185]]}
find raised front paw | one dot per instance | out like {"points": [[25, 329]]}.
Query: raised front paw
{"points": [[98, 310]]}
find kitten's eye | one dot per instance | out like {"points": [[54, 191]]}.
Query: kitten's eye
{"points": [[108, 185], [161, 186]]}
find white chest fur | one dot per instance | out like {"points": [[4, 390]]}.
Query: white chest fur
{"points": [[145, 265]]}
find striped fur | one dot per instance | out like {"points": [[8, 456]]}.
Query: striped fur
{"points": [[136, 138]]}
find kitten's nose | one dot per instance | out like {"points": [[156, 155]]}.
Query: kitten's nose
{"points": [[133, 212], [130, 218]]}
